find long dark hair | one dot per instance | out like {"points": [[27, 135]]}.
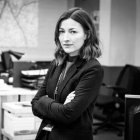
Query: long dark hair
{"points": [[91, 48]]}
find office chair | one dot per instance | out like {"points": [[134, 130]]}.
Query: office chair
{"points": [[109, 109]]}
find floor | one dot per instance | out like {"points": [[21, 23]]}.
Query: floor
{"points": [[107, 136]]}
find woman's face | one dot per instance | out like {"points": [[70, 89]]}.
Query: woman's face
{"points": [[71, 36]]}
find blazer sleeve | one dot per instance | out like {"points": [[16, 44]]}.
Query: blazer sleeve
{"points": [[85, 93], [41, 93]]}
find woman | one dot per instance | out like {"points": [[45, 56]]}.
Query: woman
{"points": [[66, 99]]}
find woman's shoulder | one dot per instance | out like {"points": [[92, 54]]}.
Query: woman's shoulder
{"points": [[93, 63], [92, 66]]}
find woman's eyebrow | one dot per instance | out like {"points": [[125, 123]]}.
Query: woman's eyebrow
{"points": [[72, 28], [69, 28]]}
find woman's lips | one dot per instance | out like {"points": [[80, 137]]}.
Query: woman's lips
{"points": [[67, 45]]}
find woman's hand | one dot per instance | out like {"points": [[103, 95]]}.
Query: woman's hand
{"points": [[69, 97]]}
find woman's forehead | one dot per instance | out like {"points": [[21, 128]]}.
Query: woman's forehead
{"points": [[70, 23]]}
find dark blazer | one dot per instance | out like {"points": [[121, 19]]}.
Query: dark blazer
{"points": [[72, 121]]}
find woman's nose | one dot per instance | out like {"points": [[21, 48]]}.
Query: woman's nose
{"points": [[66, 37]]}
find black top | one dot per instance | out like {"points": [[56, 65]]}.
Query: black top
{"points": [[71, 58]]}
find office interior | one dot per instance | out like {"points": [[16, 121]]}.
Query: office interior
{"points": [[118, 27]]}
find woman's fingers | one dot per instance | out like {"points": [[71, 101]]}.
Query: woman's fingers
{"points": [[69, 97]]}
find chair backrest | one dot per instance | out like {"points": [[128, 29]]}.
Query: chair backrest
{"points": [[125, 84], [129, 78]]}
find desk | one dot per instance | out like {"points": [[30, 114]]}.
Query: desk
{"points": [[30, 136], [12, 91]]}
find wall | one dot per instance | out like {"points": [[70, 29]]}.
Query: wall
{"points": [[104, 30], [123, 32], [70, 3], [137, 49], [88, 5], [120, 32], [49, 12]]}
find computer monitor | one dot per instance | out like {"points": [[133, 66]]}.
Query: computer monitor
{"points": [[132, 117]]}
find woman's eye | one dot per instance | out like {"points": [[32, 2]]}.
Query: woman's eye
{"points": [[73, 32]]}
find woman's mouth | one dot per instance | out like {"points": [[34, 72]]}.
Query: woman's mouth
{"points": [[67, 45]]}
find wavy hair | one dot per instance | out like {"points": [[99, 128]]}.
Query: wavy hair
{"points": [[91, 48]]}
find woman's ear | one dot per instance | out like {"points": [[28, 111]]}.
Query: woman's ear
{"points": [[85, 36]]}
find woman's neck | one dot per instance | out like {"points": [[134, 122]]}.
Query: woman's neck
{"points": [[71, 58]]}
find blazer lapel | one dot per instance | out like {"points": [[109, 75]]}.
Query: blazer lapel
{"points": [[72, 70], [68, 76], [53, 78]]}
